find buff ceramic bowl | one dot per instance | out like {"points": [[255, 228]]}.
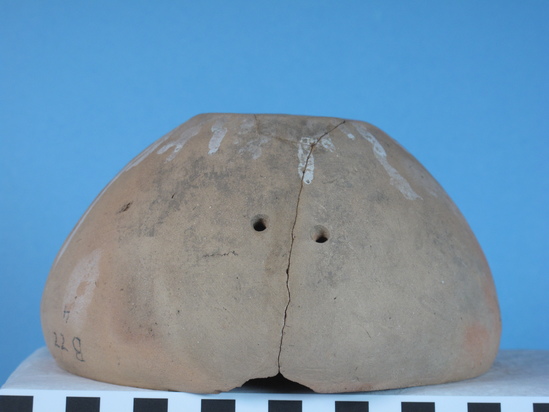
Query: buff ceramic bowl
{"points": [[243, 246]]}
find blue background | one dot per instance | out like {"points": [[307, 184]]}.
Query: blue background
{"points": [[463, 85]]}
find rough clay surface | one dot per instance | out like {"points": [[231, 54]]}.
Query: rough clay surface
{"points": [[241, 246]]}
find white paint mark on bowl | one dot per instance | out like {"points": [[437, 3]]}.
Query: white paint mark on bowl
{"points": [[306, 165], [145, 153], [347, 132], [396, 179], [178, 144], [327, 144], [219, 133], [253, 146]]}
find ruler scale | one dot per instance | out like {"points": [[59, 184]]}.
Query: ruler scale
{"points": [[519, 381]]}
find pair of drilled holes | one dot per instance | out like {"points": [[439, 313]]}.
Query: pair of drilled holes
{"points": [[319, 233]]}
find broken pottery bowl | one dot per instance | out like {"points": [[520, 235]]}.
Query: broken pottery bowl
{"points": [[243, 246]]}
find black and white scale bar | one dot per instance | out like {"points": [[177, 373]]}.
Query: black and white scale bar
{"points": [[58, 401]]}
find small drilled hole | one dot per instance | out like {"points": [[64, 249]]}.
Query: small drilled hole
{"points": [[259, 223], [321, 239], [320, 234]]}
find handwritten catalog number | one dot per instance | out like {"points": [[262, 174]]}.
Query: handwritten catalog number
{"points": [[75, 345]]}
